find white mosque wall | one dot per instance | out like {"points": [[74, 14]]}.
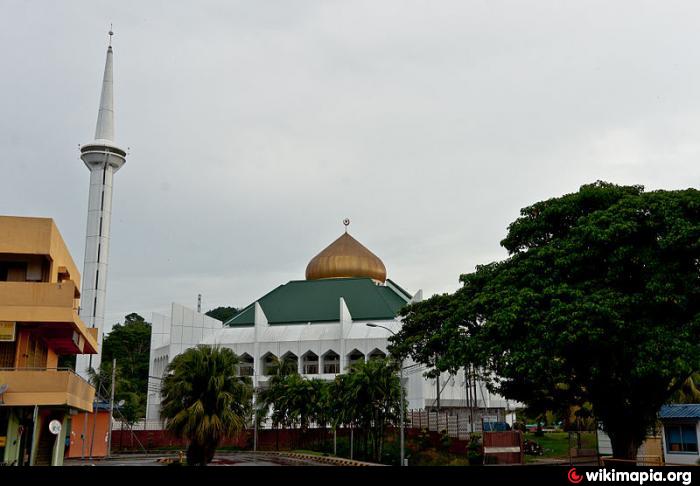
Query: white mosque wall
{"points": [[171, 335], [184, 328]]}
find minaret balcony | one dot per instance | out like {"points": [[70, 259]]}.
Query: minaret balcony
{"points": [[99, 152]]}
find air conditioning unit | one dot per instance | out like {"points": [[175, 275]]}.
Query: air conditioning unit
{"points": [[78, 340]]}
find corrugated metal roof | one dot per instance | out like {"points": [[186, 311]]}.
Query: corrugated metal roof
{"points": [[680, 411], [302, 301]]}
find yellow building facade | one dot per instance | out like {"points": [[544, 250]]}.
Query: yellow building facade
{"points": [[39, 303]]}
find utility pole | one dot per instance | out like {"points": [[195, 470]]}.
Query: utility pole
{"points": [[401, 422], [474, 394], [111, 408], [468, 386], [84, 434], [94, 418]]}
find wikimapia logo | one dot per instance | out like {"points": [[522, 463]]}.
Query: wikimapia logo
{"points": [[573, 476], [638, 477]]}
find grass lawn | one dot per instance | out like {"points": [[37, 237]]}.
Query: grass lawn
{"points": [[556, 444]]}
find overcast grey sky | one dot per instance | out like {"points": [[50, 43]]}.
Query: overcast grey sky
{"points": [[255, 127]]}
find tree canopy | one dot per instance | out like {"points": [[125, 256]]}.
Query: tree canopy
{"points": [[130, 344], [222, 314], [598, 303], [367, 398]]}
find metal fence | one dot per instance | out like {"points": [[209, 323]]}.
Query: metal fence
{"points": [[456, 425], [140, 425]]}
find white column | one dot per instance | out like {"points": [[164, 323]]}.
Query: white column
{"points": [[260, 321], [345, 322]]}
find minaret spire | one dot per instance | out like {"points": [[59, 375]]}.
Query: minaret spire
{"points": [[105, 116], [103, 158]]}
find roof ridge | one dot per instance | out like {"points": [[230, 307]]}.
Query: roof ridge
{"points": [[253, 304], [401, 289]]}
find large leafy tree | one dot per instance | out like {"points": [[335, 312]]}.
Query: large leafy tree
{"points": [[430, 333], [130, 401], [129, 343], [598, 302], [203, 399], [222, 314]]}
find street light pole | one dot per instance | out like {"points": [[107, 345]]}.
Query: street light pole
{"points": [[255, 414], [401, 413], [401, 421], [111, 409]]}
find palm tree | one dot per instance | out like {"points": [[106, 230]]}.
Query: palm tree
{"points": [[689, 391], [372, 396], [293, 400], [204, 400], [274, 396]]}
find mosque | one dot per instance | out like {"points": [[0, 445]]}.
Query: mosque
{"points": [[344, 311]]}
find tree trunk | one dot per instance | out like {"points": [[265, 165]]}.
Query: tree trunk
{"points": [[437, 387], [195, 455], [624, 444]]}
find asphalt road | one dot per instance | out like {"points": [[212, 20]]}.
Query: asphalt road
{"points": [[221, 459]]}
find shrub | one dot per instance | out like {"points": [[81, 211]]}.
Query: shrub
{"points": [[445, 440], [475, 450]]}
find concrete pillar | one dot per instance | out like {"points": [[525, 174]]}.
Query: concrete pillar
{"points": [[12, 441], [261, 324], [345, 322], [36, 428], [60, 444], [417, 297]]}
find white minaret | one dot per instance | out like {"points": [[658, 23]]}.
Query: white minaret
{"points": [[103, 158]]}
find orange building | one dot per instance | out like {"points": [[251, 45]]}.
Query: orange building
{"points": [[89, 434], [39, 299]]}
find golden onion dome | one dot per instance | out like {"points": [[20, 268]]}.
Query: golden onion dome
{"points": [[346, 257]]}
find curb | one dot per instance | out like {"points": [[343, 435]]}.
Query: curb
{"points": [[338, 461]]}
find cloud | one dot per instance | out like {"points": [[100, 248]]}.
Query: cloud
{"points": [[255, 127]]}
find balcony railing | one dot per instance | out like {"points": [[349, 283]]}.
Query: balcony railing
{"points": [[46, 303], [45, 386], [38, 294]]}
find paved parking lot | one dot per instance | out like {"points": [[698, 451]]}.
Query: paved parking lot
{"points": [[221, 459]]}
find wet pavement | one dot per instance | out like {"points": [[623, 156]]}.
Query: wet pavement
{"points": [[221, 459]]}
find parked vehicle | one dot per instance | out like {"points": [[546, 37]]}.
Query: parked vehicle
{"points": [[532, 448], [496, 426]]}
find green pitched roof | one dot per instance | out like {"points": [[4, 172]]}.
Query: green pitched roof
{"points": [[301, 301]]}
